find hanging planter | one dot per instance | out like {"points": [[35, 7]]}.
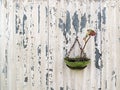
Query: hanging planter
{"points": [[77, 63], [81, 61]]}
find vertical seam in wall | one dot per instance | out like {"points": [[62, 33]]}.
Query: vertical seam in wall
{"points": [[48, 43], [101, 46]]}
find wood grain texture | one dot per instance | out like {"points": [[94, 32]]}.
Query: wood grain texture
{"points": [[35, 36]]}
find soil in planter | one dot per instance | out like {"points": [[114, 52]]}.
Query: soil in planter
{"points": [[76, 59]]}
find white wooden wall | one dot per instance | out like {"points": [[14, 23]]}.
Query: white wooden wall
{"points": [[36, 34]]}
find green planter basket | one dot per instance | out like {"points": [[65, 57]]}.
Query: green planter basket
{"points": [[77, 63]]}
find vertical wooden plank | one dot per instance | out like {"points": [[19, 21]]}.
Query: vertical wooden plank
{"points": [[85, 23], [33, 41], [65, 25], [104, 41], [52, 45], [42, 44], [117, 79], [109, 41], [7, 53], [11, 61], [5, 34], [89, 73], [65, 18], [45, 44], [98, 46], [0, 47], [30, 47], [18, 45], [114, 55], [21, 46], [60, 41], [116, 34], [2, 77]]}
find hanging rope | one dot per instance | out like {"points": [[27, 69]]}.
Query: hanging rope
{"points": [[80, 46]]}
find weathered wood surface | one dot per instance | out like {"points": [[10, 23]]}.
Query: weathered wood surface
{"points": [[36, 34]]}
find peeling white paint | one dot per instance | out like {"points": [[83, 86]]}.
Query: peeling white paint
{"points": [[36, 34]]}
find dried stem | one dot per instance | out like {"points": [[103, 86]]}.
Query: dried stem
{"points": [[84, 46], [80, 46]]}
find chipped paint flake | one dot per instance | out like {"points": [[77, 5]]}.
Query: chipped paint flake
{"points": [[26, 79], [24, 20], [68, 21], [25, 42], [47, 12], [61, 24], [97, 59], [104, 15], [83, 22], [61, 88], [75, 22], [89, 16], [39, 19], [105, 84], [99, 20]]}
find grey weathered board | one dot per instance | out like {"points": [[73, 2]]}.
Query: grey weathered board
{"points": [[35, 36]]}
